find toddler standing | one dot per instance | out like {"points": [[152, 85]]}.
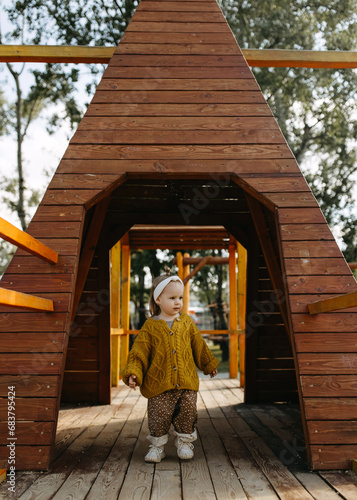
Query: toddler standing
{"points": [[162, 362]]}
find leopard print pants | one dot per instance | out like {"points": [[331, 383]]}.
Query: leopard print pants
{"points": [[177, 407]]}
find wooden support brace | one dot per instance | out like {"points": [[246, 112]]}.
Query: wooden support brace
{"points": [[24, 301], [202, 263], [334, 303], [13, 235], [213, 261]]}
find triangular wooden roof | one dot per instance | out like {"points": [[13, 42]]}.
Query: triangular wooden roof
{"points": [[178, 100]]}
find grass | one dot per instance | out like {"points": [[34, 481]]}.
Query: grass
{"points": [[217, 353]]}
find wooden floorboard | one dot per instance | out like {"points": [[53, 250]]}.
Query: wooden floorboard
{"points": [[243, 451]]}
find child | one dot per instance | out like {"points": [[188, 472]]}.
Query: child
{"points": [[162, 362]]}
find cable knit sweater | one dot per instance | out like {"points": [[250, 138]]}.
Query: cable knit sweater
{"points": [[164, 358]]}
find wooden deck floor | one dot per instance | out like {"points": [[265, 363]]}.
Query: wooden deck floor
{"points": [[243, 451]]}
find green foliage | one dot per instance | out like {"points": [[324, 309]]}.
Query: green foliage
{"points": [[315, 108], [6, 253]]}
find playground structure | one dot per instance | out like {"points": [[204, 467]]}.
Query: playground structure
{"points": [[179, 134]]}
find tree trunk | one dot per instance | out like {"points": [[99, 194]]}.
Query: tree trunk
{"points": [[20, 208]]}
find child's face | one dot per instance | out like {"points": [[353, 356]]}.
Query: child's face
{"points": [[170, 300]]}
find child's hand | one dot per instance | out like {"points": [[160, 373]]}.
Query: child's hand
{"points": [[132, 382], [213, 373]]}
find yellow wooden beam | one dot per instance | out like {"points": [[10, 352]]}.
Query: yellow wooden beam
{"points": [[24, 301], [125, 298], [233, 313], [300, 58], [179, 260], [121, 331], [334, 303], [242, 302], [186, 290], [55, 54], [115, 311], [254, 57], [23, 240], [2, 475]]}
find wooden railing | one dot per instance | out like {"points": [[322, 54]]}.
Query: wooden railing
{"points": [[334, 303], [22, 240], [122, 331]]}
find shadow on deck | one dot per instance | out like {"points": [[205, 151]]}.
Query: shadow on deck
{"points": [[243, 451]]}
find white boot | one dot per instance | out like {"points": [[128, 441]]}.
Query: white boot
{"points": [[156, 449], [184, 444]]}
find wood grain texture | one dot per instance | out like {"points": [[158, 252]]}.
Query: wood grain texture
{"points": [[317, 266], [32, 409], [327, 363], [333, 457], [326, 342], [163, 152], [177, 17], [173, 111], [173, 123], [177, 27], [149, 37], [178, 6], [308, 250], [226, 166], [156, 72], [151, 60], [30, 385], [37, 433], [114, 138], [28, 457], [187, 96], [329, 385], [320, 284], [181, 84]]}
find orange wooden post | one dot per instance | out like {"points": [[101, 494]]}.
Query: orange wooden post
{"points": [[179, 259], [13, 235], [186, 290], [115, 311], [242, 303], [125, 292], [2, 475], [233, 313]]}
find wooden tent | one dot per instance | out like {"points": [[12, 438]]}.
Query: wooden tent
{"points": [[178, 133]]}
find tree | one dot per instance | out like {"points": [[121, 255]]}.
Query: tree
{"points": [[315, 108], [54, 86]]}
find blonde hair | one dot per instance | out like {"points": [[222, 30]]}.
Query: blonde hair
{"points": [[153, 307]]}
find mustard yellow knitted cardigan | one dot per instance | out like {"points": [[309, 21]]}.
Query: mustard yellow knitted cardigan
{"points": [[164, 358]]}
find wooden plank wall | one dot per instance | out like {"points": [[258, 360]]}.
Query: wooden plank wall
{"points": [[178, 100], [32, 345]]}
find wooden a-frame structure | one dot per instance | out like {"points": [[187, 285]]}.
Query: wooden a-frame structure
{"points": [[179, 132]]}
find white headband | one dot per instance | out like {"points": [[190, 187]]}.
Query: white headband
{"points": [[158, 290]]}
